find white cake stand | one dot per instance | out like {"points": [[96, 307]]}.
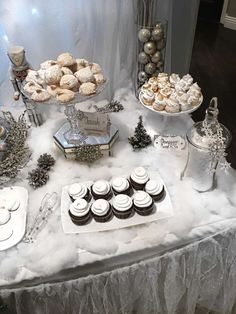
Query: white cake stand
{"points": [[168, 117]]}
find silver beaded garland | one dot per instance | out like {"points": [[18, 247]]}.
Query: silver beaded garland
{"points": [[161, 44], [142, 77], [144, 35], [143, 58], [157, 33], [150, 47], [156, 57], [150, 68]]}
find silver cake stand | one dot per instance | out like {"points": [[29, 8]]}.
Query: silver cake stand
{"points": [[70, 136]]}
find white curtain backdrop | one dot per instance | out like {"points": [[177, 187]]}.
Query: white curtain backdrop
{"points": [[103, 31]]}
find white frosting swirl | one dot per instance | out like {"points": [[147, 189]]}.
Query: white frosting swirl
{"points": [[100, 207], [142, 199], [79, 207], [77, 190], [139, 175], [153, 187], [4, 216], [101, 187], [120, 184], [122, 202]]}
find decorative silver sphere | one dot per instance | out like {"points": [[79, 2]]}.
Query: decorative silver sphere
{"points": [[150, 68], [161, 44], [144, 35], [142, 77], [150, 47], [156, 57], [143, 58], [157, 33]]}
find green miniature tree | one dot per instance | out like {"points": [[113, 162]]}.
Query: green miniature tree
{"points": [[141, 138]]}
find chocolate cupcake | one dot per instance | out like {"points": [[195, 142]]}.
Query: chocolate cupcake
{"points": [[79, 190], [101, 189], [139, 178], [121, 186], [143, 203], [101, 210], [79, 212], [155, 189], [122, 206]]}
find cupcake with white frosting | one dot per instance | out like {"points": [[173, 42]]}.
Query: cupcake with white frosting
{"points": [[101, 189], [143, 203], [101, 210], [122, 206], [139, 178], [155, 189], [79, 190], [121, 186], [79, 212]]}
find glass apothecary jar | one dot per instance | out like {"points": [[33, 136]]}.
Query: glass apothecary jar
{"points": [[207, 144]]}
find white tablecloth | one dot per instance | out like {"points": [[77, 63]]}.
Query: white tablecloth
{"points": [[174, 280]]}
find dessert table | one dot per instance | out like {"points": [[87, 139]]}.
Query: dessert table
{"points": [[172, 265]]}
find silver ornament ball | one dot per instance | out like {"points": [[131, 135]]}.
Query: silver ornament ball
{"points": [[156, 57], [161, 44], [144, 35], [157, 34], [150, 68], [142, 77], [143, 58], [150, 47]]}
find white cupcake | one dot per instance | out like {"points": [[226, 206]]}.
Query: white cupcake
{"points": [[79, 190], [101, 189], [155, 189], [143, 203], [101, 210], [139, 178], [80, 212]]}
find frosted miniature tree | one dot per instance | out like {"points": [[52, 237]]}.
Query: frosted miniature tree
{"points": [[141, 138]]}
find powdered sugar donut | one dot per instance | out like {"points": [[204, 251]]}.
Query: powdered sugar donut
{"points": [[99, 78], [53, 75], [40, 95], [95, 68], [85, 75], [31, 86], [66, 59], [65, 95], [34, 76], [66, 70], [87, 88], [53, 90], [69, 82], [47, 64]]}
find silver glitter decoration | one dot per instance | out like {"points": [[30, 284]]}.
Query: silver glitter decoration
{"points": [[142, 77], [217, 147], [156, 57], [46, 208], [157, 33], [150, 68], [144, 35], [18, 153], [113, 106], [150, 47], [143, 58]]}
